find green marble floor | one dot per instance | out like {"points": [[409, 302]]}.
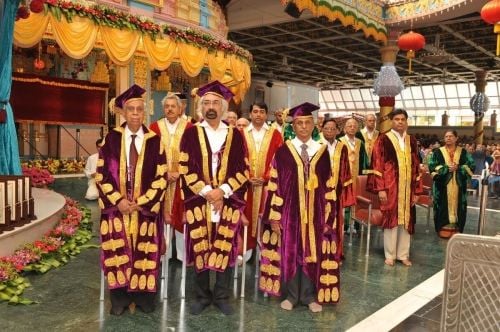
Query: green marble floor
{"points": [[69, 296]]}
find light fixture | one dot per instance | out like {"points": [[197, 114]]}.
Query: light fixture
{"points": [[437, 55]]}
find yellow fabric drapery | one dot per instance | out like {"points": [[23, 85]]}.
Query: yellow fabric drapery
{"points": [[217, 63], [80, 36], [160, 52], [189, 56], [237, 68], [77, 38], [120, 45], [28, 32]]}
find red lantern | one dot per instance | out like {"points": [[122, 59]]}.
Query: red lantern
{"points": [[39, 64], [411, 42], [490, 13]]}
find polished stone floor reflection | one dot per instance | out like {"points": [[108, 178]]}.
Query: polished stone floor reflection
{"points": [[69, 296]]}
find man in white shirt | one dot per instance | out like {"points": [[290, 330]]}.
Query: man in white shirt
{"points": [[299, 221], [214, 176], [358, 161], [90, 171], [170, 129], [131, 182], [262, 142], [395, 165]]}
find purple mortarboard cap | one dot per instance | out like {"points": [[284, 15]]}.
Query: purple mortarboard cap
{"points": [[181, 96], [134, 92], [216, 88], [302, 110]]}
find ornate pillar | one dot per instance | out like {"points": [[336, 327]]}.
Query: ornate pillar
{"points": [[479, 104], [387, 86]]}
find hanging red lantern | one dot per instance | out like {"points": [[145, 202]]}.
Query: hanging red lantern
{"points": [[490, 13], [411, 42], [39, 64]]}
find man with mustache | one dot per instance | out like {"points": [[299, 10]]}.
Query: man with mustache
{"points": [[395, 165], [170, 129], [131, 182], [262, 142], [214, 175]]}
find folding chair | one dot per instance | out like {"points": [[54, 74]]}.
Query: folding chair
{"points": [[425, 199], [367, 210]]}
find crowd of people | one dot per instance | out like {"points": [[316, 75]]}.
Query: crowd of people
{"points": [[292, 184]]}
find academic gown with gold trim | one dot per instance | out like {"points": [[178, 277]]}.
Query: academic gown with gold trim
{"points": [[260, 165], [305, 208], [342, 179], [450, 189], [395, 172], [130, 244], [173, 202], [209, 245]]}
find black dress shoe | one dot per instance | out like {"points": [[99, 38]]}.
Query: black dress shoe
{"points": [[117, 311], [198, 307], [224, 307]]}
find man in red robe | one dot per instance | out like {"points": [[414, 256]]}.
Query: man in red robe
{"points": [[262, 142], [341, 172], [395, 166], [300, 231], [170, 129], [214, 176], [131, 182]]}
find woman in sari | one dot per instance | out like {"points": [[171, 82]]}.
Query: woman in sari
{"points": [[451, 168]]}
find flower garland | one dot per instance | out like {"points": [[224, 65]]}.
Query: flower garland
{"points": [[53, 250], [117, 19]]}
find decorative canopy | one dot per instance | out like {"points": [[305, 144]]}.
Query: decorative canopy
{"points": [[78, 29]]}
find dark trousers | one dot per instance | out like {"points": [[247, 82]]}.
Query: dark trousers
{"points": [[120, 298], [222, 290], [300, 289]]}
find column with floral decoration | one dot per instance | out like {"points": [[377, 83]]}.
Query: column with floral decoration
{"points": [[479, 104], [387, 86]]}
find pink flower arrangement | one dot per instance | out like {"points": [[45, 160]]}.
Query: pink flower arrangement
{"points": [[12, 265], [39, 177]]}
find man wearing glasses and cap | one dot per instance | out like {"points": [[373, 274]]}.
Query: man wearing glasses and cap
{"points": [[214, 175], [131, 182], [300, 232]]}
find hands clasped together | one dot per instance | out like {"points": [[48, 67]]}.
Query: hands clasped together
{"points": [[127, 207]]}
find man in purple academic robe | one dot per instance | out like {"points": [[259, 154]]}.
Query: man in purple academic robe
{"points": [[131, 183], [214, 176], [300, 225]]}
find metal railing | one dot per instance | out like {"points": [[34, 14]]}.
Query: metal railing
{"points": [[77, 141]]}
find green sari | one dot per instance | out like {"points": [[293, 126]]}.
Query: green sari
{"points": [[450, 188]]}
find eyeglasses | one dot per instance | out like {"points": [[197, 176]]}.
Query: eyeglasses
{"points": [[329, 129], [211, 102]]}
